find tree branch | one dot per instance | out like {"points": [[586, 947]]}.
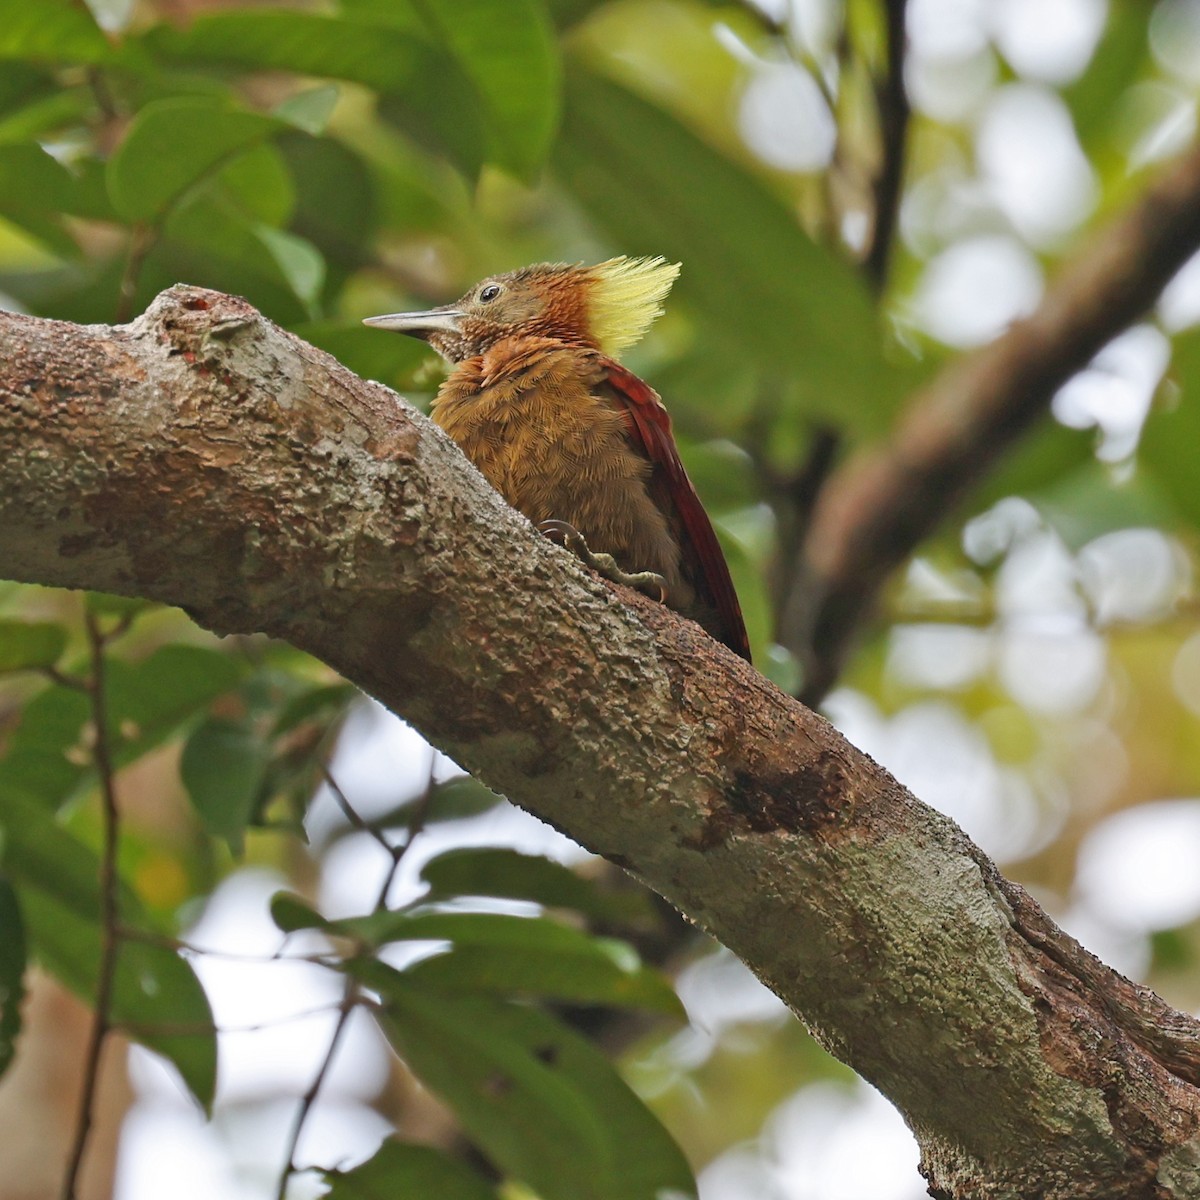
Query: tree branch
{"points": [[202, 457], [875, 511], [891, 100]]}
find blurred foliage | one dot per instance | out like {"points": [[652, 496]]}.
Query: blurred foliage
{"points": [[332, 160]]}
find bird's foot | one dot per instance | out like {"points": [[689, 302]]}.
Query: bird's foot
{"points": [[649, 583]]}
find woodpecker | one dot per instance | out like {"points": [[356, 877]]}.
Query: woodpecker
{"points": [[537, 400]]}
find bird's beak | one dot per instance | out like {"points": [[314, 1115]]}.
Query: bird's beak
{"points": [[420, 324]]}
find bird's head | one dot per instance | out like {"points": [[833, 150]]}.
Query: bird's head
{"points": [[609, 306]]}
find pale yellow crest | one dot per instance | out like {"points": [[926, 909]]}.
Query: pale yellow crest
{"points": [[625, 296]]}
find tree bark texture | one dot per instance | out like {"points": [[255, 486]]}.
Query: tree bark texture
{"points": [[202, 457]]}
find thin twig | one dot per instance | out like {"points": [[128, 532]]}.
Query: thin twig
{"points": [[891, 99], [355, 819], [141, 241], [151, 937], [104, 97], [352, 995], [794, 495], [109, 916], [64, 680], [142, 1029]]}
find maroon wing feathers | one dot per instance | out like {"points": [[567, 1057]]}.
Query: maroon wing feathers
{"points": [[650, 425]]}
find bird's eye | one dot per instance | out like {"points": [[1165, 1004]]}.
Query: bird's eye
{"points": [[489, 293]]}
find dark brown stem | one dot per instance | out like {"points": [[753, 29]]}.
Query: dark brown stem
{"points": [[141, 241], [351, 992], [894, 111], [793, 498], [109, 914]]}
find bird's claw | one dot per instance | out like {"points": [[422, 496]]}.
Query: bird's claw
{"points": [[649, 583]]}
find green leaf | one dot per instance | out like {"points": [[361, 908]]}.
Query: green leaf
{"points": [[172, 145], [399, 1169], [223, 767], [35, 185], [587, 978], [379, 56], [44, 755], [25, 644], [497, 952], [150, 699], [157, 998], [546, 1106], [440, 110], [1092, 501], [309, 111], [214, 226], [50, 31], [326, 702], [111, 14], [1170, 440], [258, 183], [509, 53], [291, 912], [154, 989], [508, 58], [104, 604], [501, 872], [1048, 455], [300, 263], [758, 283], [421, 85], [336, 198], [392, 361], [34, 190], [1096, 98], [22, 83], [44, 115], [12, 972]]}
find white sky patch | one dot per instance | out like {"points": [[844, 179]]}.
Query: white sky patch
{"points": [[1185, 673], [1032, 163], [1179, 304], [817, 1140], [1053, 672], [974, 289], [951, 90], [785, 120], [1137, 870], [948, 763], [1115, 390], [1175, 38], [1037, 586], [276, 1019], [1133, 575], [948, 28], [1048, 40], [812, 1149], [167, 1150], [936, 656], [1157, 120]]}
